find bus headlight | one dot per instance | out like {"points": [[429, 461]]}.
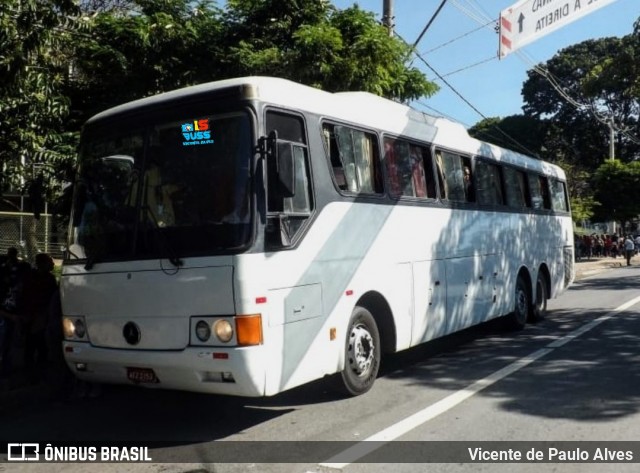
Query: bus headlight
{"points": [[223, 330], [226, 331], [203, 331], [74, 328]]}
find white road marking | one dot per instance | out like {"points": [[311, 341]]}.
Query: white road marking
{"points": [[352, 454]]}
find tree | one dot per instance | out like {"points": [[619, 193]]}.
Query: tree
{"points": [[520, 133], [617, 191], [582, 208], [155, 47], [35, 38], [579, 94], [169, 44], [314, 43], [65, 63], [581, 193], [572, 93]]}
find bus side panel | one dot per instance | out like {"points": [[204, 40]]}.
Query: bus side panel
{"points": [[326, 263], [470, 290], [430, 289]]}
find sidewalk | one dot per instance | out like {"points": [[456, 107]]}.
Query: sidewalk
{"points": [[590, 267]]}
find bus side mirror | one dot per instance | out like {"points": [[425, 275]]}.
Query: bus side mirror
{"points": [[286, 168]]}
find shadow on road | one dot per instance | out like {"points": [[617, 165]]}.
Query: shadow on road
{"points": [[596, 377]]}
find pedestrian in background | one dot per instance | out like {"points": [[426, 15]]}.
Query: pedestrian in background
{"points": [[12, 274], [629, 248], [39, 287]]}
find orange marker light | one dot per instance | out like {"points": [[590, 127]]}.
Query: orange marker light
{"points": [[249, 329]]}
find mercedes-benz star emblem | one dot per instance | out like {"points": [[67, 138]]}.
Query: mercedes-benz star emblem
{"points": [[131, 333]]}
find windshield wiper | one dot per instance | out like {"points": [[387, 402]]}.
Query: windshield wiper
{"points": [[172, 257]]}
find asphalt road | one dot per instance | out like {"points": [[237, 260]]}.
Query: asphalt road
{"points": [[574, 377]]}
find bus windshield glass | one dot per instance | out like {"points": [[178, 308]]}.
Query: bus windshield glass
{"points": [[174, 188]]}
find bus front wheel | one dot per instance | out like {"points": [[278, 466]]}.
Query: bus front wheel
{"points": [[362, 353]]}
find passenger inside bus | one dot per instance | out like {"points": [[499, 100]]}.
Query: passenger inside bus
{"points": [[469, 191]]}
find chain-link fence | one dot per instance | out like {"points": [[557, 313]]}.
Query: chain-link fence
{"points": [[30, 235]]}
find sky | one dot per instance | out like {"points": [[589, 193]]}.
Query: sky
{"points": [[492, 87]]}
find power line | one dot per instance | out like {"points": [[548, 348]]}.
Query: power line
{"points": [[482, 18], [455, 91], [473, 107], [480, 9], [470, 66], [447, 43], [429, 24], [440, 113]]}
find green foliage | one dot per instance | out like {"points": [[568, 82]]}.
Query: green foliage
{"points": [[35, 39], [583, 86], [580, 90], [583, 208], [62, 63], [168, 44], [617, 190], [313, 43], [521, 133]]}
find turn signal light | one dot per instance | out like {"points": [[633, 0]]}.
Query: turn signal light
{"points": [[249, 329]]}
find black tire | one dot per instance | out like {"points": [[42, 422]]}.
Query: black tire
{"points": [[539, 306], [517, 319], [362, 353]]}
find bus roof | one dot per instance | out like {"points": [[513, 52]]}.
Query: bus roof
{"points": [[361, 108]]}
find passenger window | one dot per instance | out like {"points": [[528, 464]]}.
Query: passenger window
{"points": [[558, 195], [515, 187], [456, 176], [539, 191], [489, 184], [354, 159], [289, 128], [409, 169]]}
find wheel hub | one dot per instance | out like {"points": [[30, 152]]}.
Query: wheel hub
{"points": [[361, 349]]}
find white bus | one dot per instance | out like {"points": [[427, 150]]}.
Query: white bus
{"points": [[250, 235]]}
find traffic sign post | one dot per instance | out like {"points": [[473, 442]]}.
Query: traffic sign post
{"points": [[529, 20]]}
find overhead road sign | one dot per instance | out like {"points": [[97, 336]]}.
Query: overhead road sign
{"points": [[529, 20]]}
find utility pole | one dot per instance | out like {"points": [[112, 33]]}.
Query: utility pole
{"points": [[612, 139], [612, 157], [387, 15]]}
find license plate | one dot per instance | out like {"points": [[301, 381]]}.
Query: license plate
{"points": [[142, 375]]}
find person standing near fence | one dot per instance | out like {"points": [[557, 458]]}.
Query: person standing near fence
{"points": [[12, 274], [39, 287]]}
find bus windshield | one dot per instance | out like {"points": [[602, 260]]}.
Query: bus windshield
{"points": [[174, 188]]}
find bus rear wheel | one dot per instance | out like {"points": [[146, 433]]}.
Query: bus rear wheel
{"points": [[517, 319], [362, 353], [539, 308]]}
